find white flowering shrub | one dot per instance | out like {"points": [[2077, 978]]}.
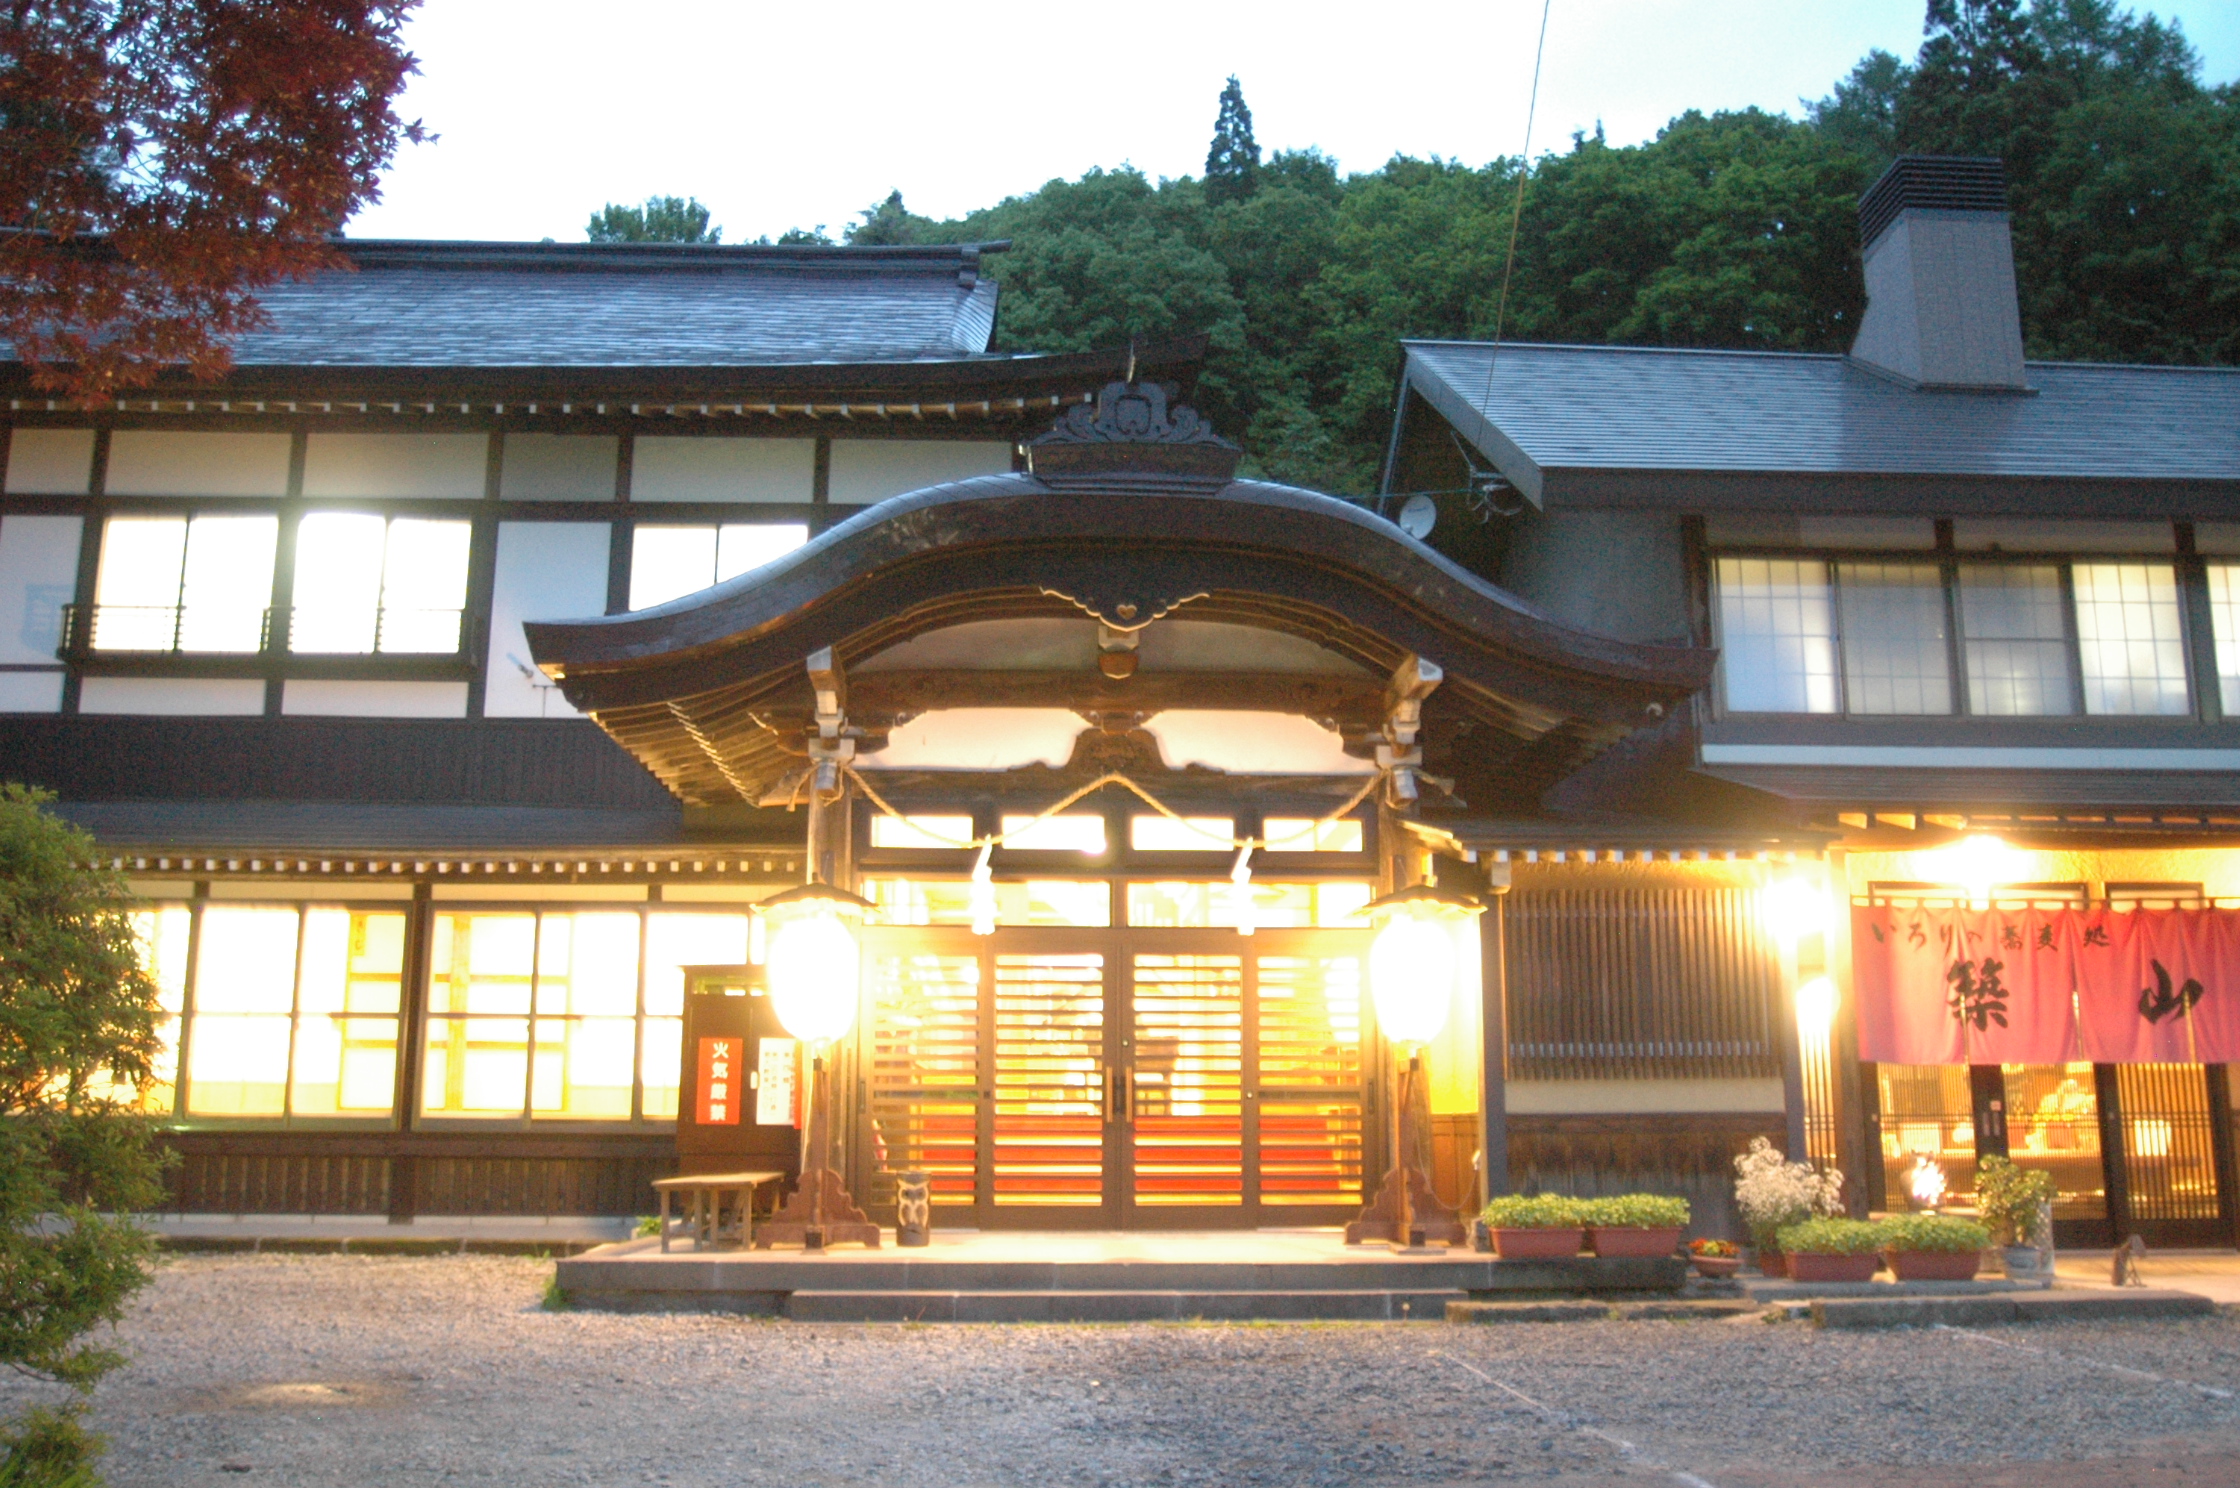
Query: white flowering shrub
{"points": [[1770, 1191]]}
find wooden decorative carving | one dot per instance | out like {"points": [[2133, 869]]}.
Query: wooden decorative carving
{"points": [[1380, 1218], [1133, 430], [843, 1222], [1127, 610]]}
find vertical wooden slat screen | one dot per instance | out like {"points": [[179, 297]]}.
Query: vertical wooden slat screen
{"points": [[1640, 983]]}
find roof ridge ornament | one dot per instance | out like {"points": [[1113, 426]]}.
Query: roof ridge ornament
{"points": [[1134, 430]]}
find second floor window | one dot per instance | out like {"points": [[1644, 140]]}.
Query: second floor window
{"points": [[195, 583], [2031, 639], [367, 583]]}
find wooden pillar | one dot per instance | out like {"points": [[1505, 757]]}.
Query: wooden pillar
{"points": [[1856, 1143], [2221, 1145], [1493, 1074], [1792, 1059], [412, 1045], [2114, 1165]]}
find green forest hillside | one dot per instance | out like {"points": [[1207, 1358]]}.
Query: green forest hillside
{"points": [[1727, 230]]}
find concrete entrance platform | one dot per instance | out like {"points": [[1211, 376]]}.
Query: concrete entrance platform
{"points": [[1102, 1276]]}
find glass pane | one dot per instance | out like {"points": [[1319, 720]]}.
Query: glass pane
{"points": [[424, 585], [346, 1062], [1776, 635], [1081, 834], [924, 1059], [1310, 1050], [1308, 834], [1927, 1111], [945, 833], [1187, 1116], [163, 934], [228, 584], [1894, 658], [669, 562], [2128, 640], [588, 964], [337, 597], [1177, 904], [677, 940], [2016, 645], [137, 593], [237, 1065], [934, 901], [1191, 834], [1049, 1081], [248, 961], [476, 1067], [2224, 616], [2053, 1125], [658, 1064], [744, 547], [583, 1068]]}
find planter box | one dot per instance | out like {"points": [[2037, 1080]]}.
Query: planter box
{"points": [[1631, 1240], [1934, 1265], [1832, 1267], [1536, 1245], [1770, 1262]]}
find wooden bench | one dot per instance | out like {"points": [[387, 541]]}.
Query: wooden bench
{"points": [[704, 1202]]}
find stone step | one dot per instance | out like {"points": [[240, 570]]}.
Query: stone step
{"points": [[2062, 1305], [1134, 1306], [1598, 1310], [844, 1271]]}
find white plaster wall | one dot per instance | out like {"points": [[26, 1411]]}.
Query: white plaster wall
{"points": [[38, 576], [1248, 743], [719, 468], [868, 470], [144, 462], [2028, 535], [545, 571], [559, 467], [980, 739], [331, 699], [50, 462], [172, 696], [439, 466]]}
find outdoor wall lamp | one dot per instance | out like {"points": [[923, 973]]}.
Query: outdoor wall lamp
{"points": [[1414, 958], [813, 959]]}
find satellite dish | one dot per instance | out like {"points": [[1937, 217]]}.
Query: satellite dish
{"points": [[1418, 515]]}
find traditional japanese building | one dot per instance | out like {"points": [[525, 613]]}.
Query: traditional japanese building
{"points": [[456, 679]]}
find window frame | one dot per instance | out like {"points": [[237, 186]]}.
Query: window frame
{"points": [[281, 637], [82, 618], [2189, 575]]}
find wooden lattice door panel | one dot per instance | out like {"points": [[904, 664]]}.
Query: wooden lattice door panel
{"points": [[1308, 1032], [1186, 1117], [1048, 1062], [2169, 1147], [925, 1071]]}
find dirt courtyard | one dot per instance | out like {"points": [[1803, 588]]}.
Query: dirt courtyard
{"points": [[340, 1369]]}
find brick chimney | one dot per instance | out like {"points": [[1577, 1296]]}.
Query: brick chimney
{"points": [[1941, 307]]}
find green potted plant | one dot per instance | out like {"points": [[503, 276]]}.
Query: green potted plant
{"points": [[1824, 1249], [1770, 1191], [1933, 1247], [1715, 1257], [1635, 1224], [2017, 1206], [1535, 1227]]}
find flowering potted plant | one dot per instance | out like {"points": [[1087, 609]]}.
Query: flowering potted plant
{"points": [[1770, 1192], [1933, 1247], [1535, 1227], [1824, 1249], [1634, 1224], [2017, 1205], [1715, 1257]]}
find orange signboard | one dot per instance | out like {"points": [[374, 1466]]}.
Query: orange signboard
{"points": [[723, 1078]]}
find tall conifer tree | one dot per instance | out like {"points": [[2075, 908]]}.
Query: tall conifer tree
{"points": [[1233, 159]]}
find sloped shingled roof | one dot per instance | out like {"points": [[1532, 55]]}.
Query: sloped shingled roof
{"points": [[1534, 410], [411, 304]]}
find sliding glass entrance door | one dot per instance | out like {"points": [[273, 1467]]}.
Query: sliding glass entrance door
{"points": [[1118, 1078]]}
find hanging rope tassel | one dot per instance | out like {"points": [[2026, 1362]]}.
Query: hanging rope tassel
{"points": [[1240, 892]]}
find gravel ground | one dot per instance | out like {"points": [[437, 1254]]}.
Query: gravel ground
{"points": [[351, 1369]]}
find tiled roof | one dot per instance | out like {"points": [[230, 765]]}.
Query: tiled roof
{"points": [[332, 826], [1535, 409], [411, 304]]}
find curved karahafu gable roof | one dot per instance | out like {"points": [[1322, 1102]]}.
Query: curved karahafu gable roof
{"points": [[711, 692]]}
